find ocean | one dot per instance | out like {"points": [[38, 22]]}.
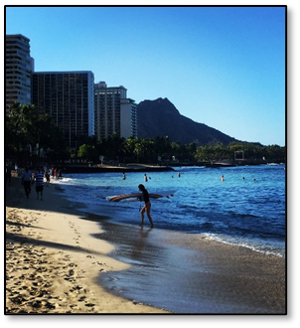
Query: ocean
{"points": [[169, 268], [247, 208]]}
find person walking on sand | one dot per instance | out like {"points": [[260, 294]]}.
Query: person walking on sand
{"points": [[146, 208], [39, 184], [26, 181]]}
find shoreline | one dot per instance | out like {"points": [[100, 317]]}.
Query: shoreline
{"points": [[186, 273], [103, 168], [52, 261], [142, 168], [227, 267]]}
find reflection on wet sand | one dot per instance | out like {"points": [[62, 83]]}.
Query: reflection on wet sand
{"points": [[184, 273]]}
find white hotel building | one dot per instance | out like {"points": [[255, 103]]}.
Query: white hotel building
{"points": [[18, 69], [114, 112], [77, 105]]}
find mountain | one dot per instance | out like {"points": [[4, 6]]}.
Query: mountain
{"points": [[161, 118]]}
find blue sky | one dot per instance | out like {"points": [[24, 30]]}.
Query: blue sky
{"points": [[222, 66]]}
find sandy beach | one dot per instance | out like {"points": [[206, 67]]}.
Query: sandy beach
{"points": [[59, 261], [186, 273], [52, 261]]}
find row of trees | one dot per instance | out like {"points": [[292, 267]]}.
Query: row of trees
{"points": [[26, 129], [161, 149], [136, 149]]}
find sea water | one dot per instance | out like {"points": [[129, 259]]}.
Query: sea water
{"points": [[246, 209]]}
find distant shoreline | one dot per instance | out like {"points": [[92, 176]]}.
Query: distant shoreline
{"points": [[104, 168]]}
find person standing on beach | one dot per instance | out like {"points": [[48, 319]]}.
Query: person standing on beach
{"points": [[8, 173], [39, 185], [47, 175], [146, 208], [26, 181]]}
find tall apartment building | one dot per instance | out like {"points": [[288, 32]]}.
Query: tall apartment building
{"points": [[18, 70], [129, 119], [114, 112], [77, 105], [69, 98]]}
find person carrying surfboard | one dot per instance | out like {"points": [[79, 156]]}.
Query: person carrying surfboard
{"points": [[146, 208]]}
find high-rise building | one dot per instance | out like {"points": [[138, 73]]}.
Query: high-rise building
{"points": [[18, 70], [69, 98], [129, 123], [77, 105], [114, 112]]}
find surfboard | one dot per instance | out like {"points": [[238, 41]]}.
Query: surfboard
{"points": [[139, 196]]}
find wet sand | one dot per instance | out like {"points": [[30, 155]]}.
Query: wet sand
{"points": [[58, 261], [185, 273], [52, 261]]}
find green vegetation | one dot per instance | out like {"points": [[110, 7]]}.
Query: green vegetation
{"points": [[31, 137]]}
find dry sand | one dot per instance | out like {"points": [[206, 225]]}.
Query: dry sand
{"points": [[52, 261]]}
